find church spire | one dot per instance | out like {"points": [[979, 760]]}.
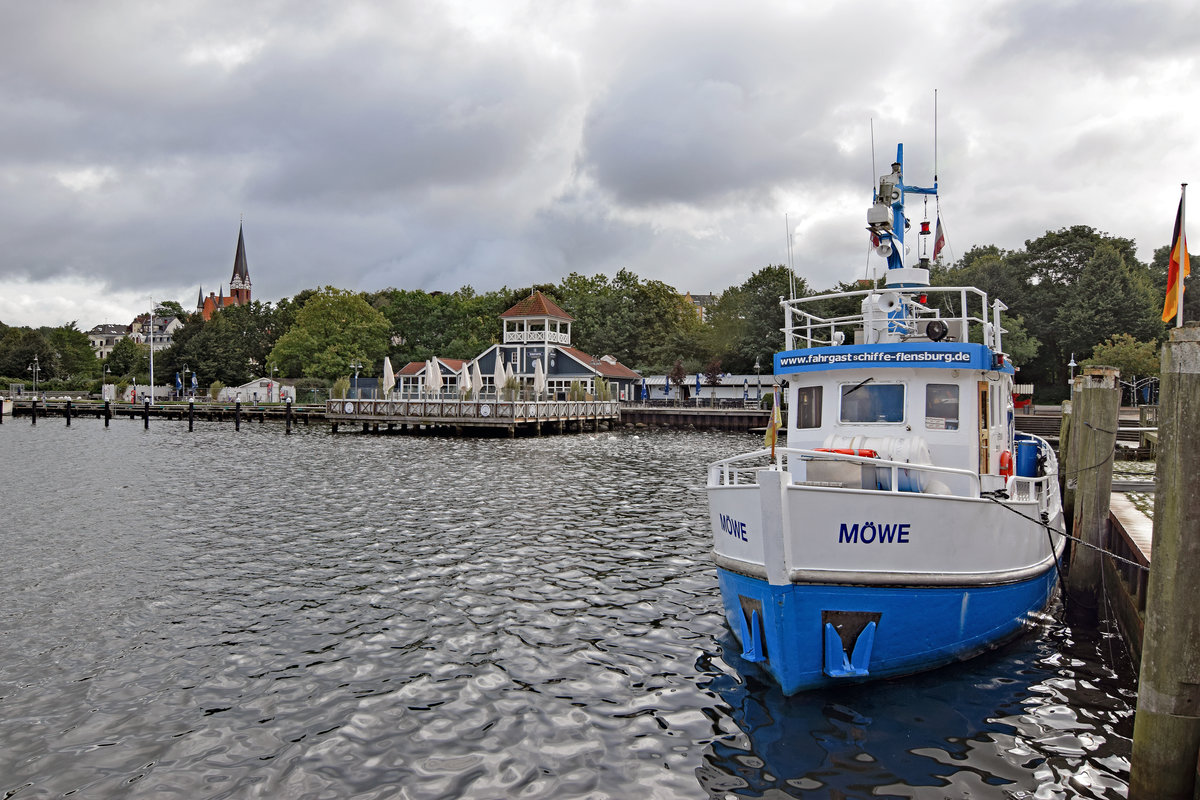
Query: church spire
{"points": [[239, 285]]}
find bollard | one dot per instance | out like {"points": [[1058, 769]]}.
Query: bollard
{"points": [[146, 414], [191, 412], [68, 413], [34, 415], [107, 412], [1166, 730], [1097, 410], [287, 417], [237, 415]]}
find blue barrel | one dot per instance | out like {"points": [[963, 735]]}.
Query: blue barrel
{"points": [[1027, 458]]}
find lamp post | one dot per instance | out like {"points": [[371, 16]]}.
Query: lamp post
{"points": [[152, 352], [34, 368], [272, 387], [758, 373], [356, 366], [185, 377], [1072, 365]]}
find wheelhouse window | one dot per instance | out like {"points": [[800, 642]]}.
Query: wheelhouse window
{"points": [[808, 407], [941, 406], [872, 402]]}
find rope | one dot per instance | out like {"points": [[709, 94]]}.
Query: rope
{"points": [[1066, 535]]}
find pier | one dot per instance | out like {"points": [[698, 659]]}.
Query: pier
{"points": [[461, 416]]}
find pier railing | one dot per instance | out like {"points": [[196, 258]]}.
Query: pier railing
{"points": [[483, 411]]}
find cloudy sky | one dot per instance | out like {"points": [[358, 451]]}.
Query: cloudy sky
{"points": [[428, 145]]}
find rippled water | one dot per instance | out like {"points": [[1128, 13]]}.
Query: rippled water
{"points": [[220, 614]]}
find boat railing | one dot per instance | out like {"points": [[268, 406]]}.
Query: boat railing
{"points": [[733, 471], [963, 309]]}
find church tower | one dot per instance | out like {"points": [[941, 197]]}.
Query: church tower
{"points": [[239, 285]]}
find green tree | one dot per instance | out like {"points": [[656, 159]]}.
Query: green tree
{"points": [[76, 360], [1133, 357], [127, 359], [746, 321], [334, 329], [1108, 298]]}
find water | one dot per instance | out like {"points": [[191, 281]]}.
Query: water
{"points": [[221, 614]]}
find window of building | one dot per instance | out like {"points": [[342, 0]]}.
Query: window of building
{"points": [[941, 406], [808, 407], [868, 401]]}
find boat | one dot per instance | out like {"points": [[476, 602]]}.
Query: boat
{"points": [[904, 524]]}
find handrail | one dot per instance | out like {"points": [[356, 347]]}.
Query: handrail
{"points": [[720, 469]]}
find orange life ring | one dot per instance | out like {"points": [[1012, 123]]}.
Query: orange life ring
{"points": [[849, 451], [1006, 464]]}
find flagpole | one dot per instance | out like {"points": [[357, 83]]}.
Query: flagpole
{"points": [[1183, 239]]}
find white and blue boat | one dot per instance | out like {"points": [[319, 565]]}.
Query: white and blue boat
{"points": [[904, 524]]}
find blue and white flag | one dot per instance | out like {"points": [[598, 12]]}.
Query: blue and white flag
{"points": [[193, 380], [178, 383]]}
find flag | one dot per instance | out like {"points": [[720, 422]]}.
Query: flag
{"points": [[193, 380], [775, 424], [1178, 269], [939, 238], [178, 383]]}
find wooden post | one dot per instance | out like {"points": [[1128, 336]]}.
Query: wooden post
{"points": [[34, 409], [68, 413], [1166, 731], [237, 414], [287, 417], [107, 412], [146, 413], [1099, 404], [191, 413], [1068, 451]]}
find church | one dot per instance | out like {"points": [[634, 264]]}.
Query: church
{"points": [[239, 285]]}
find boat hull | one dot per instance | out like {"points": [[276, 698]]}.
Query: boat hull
{"points": [[788, 629]]}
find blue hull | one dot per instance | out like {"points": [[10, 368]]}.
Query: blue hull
{"points": [[812, 635]]}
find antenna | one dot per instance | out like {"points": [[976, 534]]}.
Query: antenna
{"points": [[935, 170], [874, 174], [787, 231]]}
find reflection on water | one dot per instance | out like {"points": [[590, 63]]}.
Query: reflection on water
{"points": [[223, 614]]}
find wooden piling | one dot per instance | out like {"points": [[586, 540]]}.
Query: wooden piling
{"points": [[67, 413], [191, 413], [237, 414], [1166, 732], [33, 410], [1098, 409], [107, 412], [287, 417], [146, 413]]}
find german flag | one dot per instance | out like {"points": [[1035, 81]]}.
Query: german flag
{"points": [[1178, 269]]}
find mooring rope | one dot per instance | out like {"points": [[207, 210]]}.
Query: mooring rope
{"points": [[1064, 534]]}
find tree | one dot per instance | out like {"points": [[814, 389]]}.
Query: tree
{"points": [[75, 357], [712, 376], [334, 329], [1131, 356], [746, 321], [127, 359], [1107, 299], [677, 376]]}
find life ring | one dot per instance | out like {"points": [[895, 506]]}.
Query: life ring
{"points": [[849, 451], [1006, 464]]}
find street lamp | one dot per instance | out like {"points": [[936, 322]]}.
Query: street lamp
{"points": [[758, 372], [274, 369], [1072, 365], [356, 366], [185, 377], [34, 368]]}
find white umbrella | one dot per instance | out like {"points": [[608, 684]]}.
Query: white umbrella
{"points": [[476, 380], [433, 377], [464, 380], [498, 374], [539, 378], [389, 377]]}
